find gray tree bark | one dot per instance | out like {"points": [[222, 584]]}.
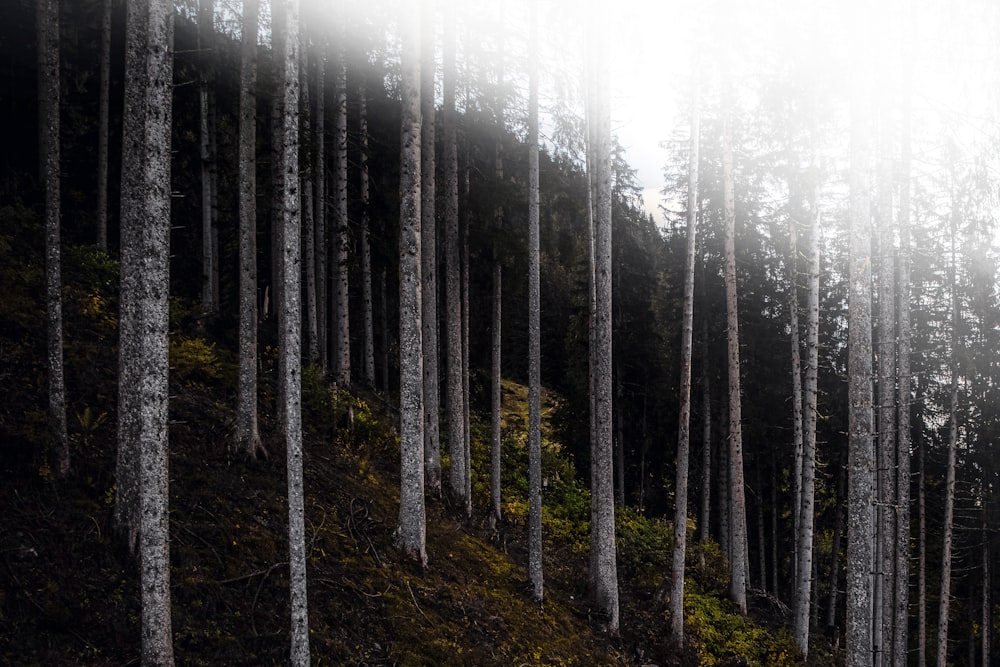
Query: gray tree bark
{"points": [[948, 530], [534, 330], [738, 566], [290, 338], [602, 496], [495, 339], [861, 455], [805, 559], [921, 550], [366, 255], [126, 514], [466, 417], [704, 517], [412, 537], [49, 158], [247, 432], [453, 298], [429, 259], [684, 419], [152, 251], [343, 329], [103, 115], [308, 233], [206, 41], [319, 206]]}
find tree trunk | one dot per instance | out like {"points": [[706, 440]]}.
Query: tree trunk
{"points": [[278, 38], [412, 528], [944, 605], [606, 579], [861, 457], [384, 321], [838, 531], [247, 434], [311, 346], [340, 243], [466, 417], [921, 547], [206, 13], [366, 255], [429, 260], [152, 239], [48, 130], [684, 419], [495, 350], [805, 556], [738, 567], [534, 335], [290, 339], [103, 116], [903, 403], [453, 297], [706, 422], [319, 207]]}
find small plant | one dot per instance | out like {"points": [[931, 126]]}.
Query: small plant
{"points": [[89, 424]]}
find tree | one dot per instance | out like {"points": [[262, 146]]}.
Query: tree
{"points": [[605, 577], [308, 231], [48, 130], [102, 125], [144, 303], [319, 206], [738, 567], [495, 328], [534, 333], [948, 530], [206, 40], [429, 259], [290, 336], [411, 412], [342, 353], [366, 255], [684, 423], [453, 298], [861, 457], [247, 433]]}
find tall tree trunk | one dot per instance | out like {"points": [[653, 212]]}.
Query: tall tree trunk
{"points": [[342, 352], [412, 529], [886, 456], [247, 433], [152, 239], [684, 419], [606, 579], [466, 417], [738, 567], [290, 339], [619, 413], [311, 347], [278, 38], [922, 544], [429, 259], [129, 353], [453, 297], [903, 402], [944, 604], [384, 322], [986, 622], [495, 350], [838, 531], [805, 556], [103, 120], [534, 331], [319, 207], [49, 159], [861, 457], [705, 515], [366, 255], [206, 42]]}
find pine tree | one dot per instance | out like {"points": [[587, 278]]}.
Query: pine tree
{"points": [[411, 412], [342, 351], [103, 119]]}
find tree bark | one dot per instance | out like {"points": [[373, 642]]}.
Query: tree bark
{"points": [[429, 259], [944, 604], [366, 255], [129, 352], [705, 515], [606, 579], [48, 130], [206, 13], [340, 243], [152, 291], [247, 433], [921, 547], [495, 340], [319, 206], [466, 417], [861, 457], [684, 419], [453, 297], [412, 529], [738, 566], [306, 169], [534, 332], [103, 116], [290, 339]]}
